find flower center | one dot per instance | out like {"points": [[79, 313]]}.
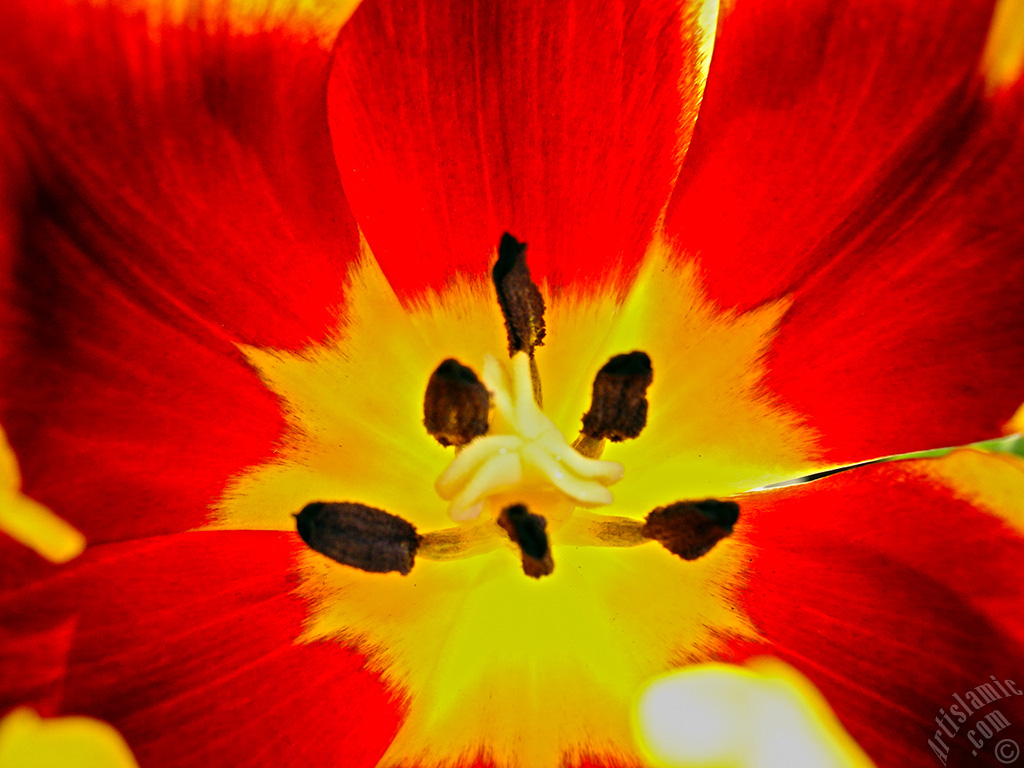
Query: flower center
{"points": [[513, 466], [487, 664]]}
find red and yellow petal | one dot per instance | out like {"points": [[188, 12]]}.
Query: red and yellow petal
{"points": [[303, 20], [435, 634], [878, 584], [492, 663], [161, 219], [563, 124], [992, 482], [124, 423], [169, 192], [187, 645], [891, 594]]}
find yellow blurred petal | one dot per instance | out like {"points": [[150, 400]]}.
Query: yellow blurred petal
{"points": [[28, 521], [1003, 59], [35, 526], [10, 477], [1016, 422], [29, 741], [764, 715]]}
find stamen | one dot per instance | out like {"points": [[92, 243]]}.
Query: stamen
{"points": [[585, 529], [459, 542], [618, 406], [360, 536], [528, 531], [521, 302], [520, 299], [455, 405], [690, 529]]}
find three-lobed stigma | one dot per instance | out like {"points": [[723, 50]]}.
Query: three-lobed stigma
{"points": [[523, 451]]}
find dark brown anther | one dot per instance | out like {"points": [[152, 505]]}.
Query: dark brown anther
{"points": [[528, 531], [520, 299], [618, 406], [690, 529], [363, 537], [455, 406]]}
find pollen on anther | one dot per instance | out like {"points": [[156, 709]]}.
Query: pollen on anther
{"points": [[359, 536], [455, 405], [618, 409], [690, 529], [529, 532], [521, 302]]}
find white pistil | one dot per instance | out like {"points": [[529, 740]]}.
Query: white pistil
{"points": [[522, 451]]}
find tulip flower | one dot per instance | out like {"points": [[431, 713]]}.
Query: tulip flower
{"points": [[427, 378]]}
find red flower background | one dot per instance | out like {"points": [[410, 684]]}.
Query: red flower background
{"points": [[172, 187]]}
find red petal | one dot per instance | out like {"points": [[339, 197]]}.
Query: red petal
{"points": [[187, 645], [851, 160], [913, 338], [189, 164], [891, 596], [811, 113], [34, 652], [124, 423], [171, 192], [559, 123]]}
